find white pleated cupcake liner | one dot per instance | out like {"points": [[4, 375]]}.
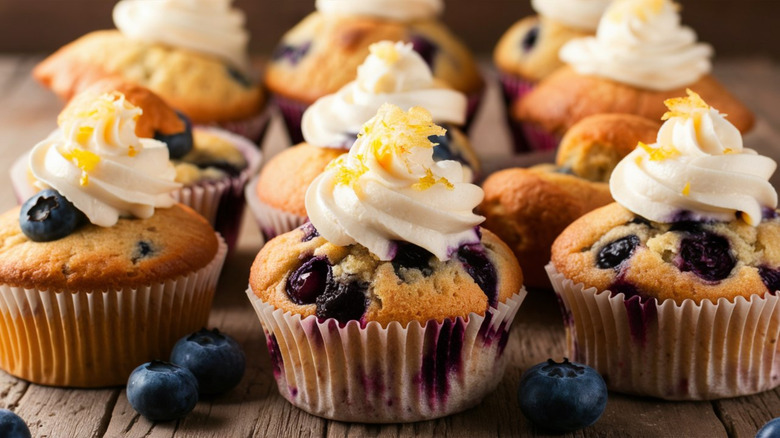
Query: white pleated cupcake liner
{"points": [[373, 374], [673, 351], [272, 221], [96, 338]]}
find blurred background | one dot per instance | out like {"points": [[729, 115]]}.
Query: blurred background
{"points": [[733, 27]]}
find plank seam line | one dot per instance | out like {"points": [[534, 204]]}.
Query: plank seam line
{"points": [[721, 417], [102, 427]]}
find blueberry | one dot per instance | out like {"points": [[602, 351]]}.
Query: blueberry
{"points": [[343, 301], [292, 53], [162, 391], [479, 267], [562, 397], [614, 253], [411, 256], [564, 170], [12, 425], [443, 149], [425, 48], [49, 216], [309, 281], [143, 249], [309, 232], [530, 38], [770, 277], [179, 143], [770, 430], [239, 77], [214, 358], [707, 255]]}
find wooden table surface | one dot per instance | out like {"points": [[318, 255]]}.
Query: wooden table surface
{"points": [[28, 113]]}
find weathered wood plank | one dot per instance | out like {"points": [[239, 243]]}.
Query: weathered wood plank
{"points": [[56, 412], [743, 416]]}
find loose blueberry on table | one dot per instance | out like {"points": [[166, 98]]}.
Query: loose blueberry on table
{"points": [[49, 216], [562, 397], [770, 430], [162, 391], [215, 359], [12, 425]]}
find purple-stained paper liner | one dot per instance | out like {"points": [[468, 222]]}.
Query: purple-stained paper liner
{"points": [[673, 351], [292, 112], [96, 338], [374, 374], [272, 221], [252, 128], [472, 106], [526, 137]]}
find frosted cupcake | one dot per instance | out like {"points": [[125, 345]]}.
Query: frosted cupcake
{"points": [[320, 54], [672, 291], [641, 55], [392, 73], [528, 51], [399, 316], [192, 53], [102, 270]]}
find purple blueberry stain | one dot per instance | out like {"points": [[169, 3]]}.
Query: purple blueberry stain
{"points": [[276, 355], [410, 256], [143, 249], [239, 77], [309, 281], [707, 255], [531, 37], [290, 52], [441, 356], [768, 213], [613, 254], [641, 314], [478, 266], [770, 277], [343, 302], [309, 232], [623, 286], [426, 48]]}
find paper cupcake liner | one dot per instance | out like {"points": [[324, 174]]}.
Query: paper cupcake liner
{"points": [[376, 374], [97, 338], [472, 106], [252, 128], [673, 351], [526, 138], [292, 113], [272, 221]]}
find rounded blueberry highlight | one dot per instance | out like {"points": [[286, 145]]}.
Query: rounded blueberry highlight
{"points": [[707, 255], [214, 358], [179, 143], [49, 216], [162, 391], [310, 280], [616, 252], [12, 425], [562, 397]]}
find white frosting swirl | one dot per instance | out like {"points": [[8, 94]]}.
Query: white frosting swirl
{"points": [[208, 26], [580, 14], [388, 188], [643, 44], [99, 164], [392, 73], [400, 10], [699, 166]]}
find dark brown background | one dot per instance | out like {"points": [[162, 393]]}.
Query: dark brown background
{"points": [[734, 27]]}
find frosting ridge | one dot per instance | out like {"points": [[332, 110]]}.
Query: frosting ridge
{"points": [[580, 14], [400, 10]]}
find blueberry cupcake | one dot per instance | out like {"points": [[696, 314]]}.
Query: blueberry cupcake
{"points": [[392, 73], [321, 54], [212, 165], [672, 291], [192, 53], [102, 270], [403, 314], [528, 51], [641, 55]]}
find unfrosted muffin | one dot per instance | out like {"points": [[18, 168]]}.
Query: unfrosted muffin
{"points": [[412, 287], [205, 74], [392, 73], [671, 292], [640, 56], [102, 270], [320, 54], [528, 51]]}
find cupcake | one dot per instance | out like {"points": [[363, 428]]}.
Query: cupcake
{"points": [[529, 207], [528, 51], [672, 291], [320, 55], [392, 73], [392, 305], [192, 53], [212, 165], [102, 270], [641, 55]]}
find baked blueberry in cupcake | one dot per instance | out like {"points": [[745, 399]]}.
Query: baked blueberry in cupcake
{"points": [[641, 55], [94, 267], [320, 54], [192, 53], [672, 291], [392, 73], [528, 51], [393, 273]]}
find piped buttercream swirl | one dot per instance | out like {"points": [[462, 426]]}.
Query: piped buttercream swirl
{"points": [[400, 10], [643, 44], [699, 166], [388, 189], [392, 73], [99, 164], [580, 14], [207, 26]]}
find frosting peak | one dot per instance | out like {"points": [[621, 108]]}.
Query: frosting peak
{"points": [[400, 10], [392, 73], [698, 165], [388, 188], [580, 14], [208, 26], [643, 44], [99, 164]]}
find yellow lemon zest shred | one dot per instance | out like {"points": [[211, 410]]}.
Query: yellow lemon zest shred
{"points": [[687, 189], [386, 51], [684, 106], [84, 160]]}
